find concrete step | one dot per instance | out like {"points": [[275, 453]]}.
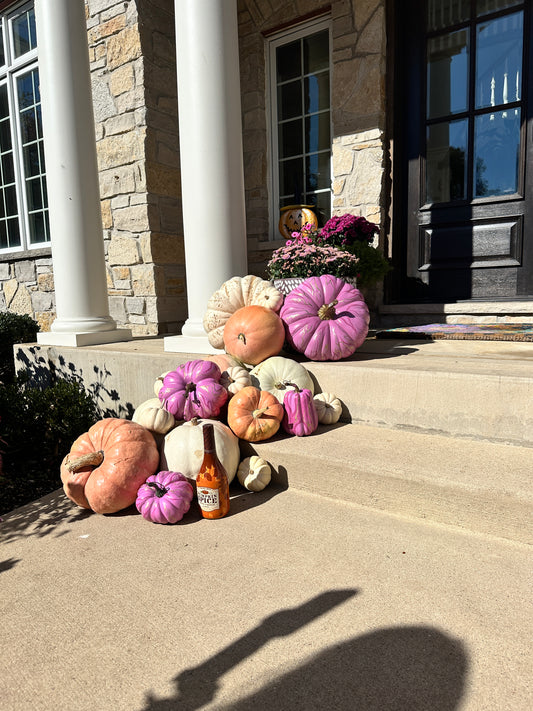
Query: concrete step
{"points": [[483, 487]]}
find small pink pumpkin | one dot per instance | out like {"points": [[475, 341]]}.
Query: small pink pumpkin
{"points": [[193, 390], [325, 318], [165, 497], [301, 416]]}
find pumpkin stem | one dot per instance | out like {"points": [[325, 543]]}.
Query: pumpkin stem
{"points": [[160, 490], [242, 337], [92, 459], [327, 311], [194, 421], [258, 413], [293, 385], [190, 387]]}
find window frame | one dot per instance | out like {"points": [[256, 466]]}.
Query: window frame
{"points": [[10, 72], [276, 40]]}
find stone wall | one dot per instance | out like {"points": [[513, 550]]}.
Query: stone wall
{"points": [[358, 110]]}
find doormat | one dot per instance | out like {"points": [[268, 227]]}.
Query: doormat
{"points": [[463, 332]]}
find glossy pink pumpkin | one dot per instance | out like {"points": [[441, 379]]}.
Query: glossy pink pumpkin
{"points": [[325, 318], [301, 417], [193, 390], [165, 497]]}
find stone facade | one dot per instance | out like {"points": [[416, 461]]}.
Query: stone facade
{"points": [[133, 67]]}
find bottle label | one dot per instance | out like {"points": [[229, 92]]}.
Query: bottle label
{"points": [[208, 499]]}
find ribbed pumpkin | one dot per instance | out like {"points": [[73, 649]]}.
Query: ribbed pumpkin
{"points": [[277, 373], [107, 464], [164, 497], [193, 390], [254, 333], [325, 318], [254, 473], [254, 415], [301, 417], [328, 407], [152, 415]]}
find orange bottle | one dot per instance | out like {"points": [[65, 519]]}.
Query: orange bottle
{"points": [[212, 486]]}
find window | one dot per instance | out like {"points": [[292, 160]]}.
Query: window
{"points": [[23, 199], [301, 119]]}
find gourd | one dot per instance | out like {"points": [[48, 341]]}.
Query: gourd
{"points": [[183, 448], [254, 473], [233, 295], [254, 415], [235, 378], [294, 217], [328, 407], [254, 333], [158, 383], [164, 497], [274, 375], [193, 390], [325, 318], [107, 464], [301, 417], [152, 415]]}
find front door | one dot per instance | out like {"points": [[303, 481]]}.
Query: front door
{"points": [[463, 180]]}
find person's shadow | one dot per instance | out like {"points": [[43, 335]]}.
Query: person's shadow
{"points": [[393, 669]]}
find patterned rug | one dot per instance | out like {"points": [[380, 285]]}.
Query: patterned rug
{"points": [[463, 332]]}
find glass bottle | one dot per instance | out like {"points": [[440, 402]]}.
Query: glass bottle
{"points": [[212, 484]]}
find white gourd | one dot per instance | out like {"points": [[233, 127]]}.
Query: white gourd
{"points": [[183, 448], [235, 378], [254, 473], [275, 373], [328, 407], [152, 415], [158, 384], [234, 294]]}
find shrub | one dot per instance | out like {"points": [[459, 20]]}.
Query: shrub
{"points": [[37, 429], [14, 328]]}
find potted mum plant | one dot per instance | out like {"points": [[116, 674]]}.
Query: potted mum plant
{"points": [[343, 248]]}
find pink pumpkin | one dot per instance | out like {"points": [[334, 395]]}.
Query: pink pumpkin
{"points": [[193, 390], [301, 417], [325, 318], [165, 497]]}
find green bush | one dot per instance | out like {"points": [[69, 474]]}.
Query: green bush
{"points": [[14, 328], [37, 429]]}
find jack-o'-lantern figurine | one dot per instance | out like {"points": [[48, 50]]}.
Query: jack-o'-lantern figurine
{"points": [[294, 217]]}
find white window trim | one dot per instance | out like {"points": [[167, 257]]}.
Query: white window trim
{"points": [[9, 75], [273, 42]]}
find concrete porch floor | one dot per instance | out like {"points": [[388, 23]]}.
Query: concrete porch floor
{"points": [[292, 602]]}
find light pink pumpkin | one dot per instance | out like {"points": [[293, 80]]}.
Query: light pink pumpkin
{"points": [[325, 318], [301, 416], [193, 390]]}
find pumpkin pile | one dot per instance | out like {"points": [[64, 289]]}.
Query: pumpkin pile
{"points": [[248, 393]]}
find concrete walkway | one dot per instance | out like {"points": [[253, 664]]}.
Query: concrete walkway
{"points": [[293, 602]]}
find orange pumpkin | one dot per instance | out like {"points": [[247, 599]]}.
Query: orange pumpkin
{"points": [[294, 217], [107, 465], [254, 414], [253, 334]]}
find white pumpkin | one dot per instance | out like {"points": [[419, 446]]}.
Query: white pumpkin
{"points": [[274, 375], [183, 448], [328, 407], [158, 384], [152, 415], [234, 294], [235, 378], [254, 473]]}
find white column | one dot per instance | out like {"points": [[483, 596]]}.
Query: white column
{"points": [[212, 178], [82, 305]]}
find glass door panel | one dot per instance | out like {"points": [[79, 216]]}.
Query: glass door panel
{"points": [[447, 74], [496, 153], [499, 60]]}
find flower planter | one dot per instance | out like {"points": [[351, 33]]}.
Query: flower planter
{"points": [[287, 285]]}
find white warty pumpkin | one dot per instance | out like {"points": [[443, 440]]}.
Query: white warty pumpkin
{"points": [[234, 294], [328, 407], [254, 473]]}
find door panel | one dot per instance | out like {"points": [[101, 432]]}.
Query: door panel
{"points": [[463, 222]]}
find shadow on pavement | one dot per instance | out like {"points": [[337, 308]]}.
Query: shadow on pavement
{"points": [[394, 669]]}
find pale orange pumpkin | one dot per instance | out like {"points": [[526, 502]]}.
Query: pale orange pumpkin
{"points": [[254, 333], [107, 464], [254, 415]]}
